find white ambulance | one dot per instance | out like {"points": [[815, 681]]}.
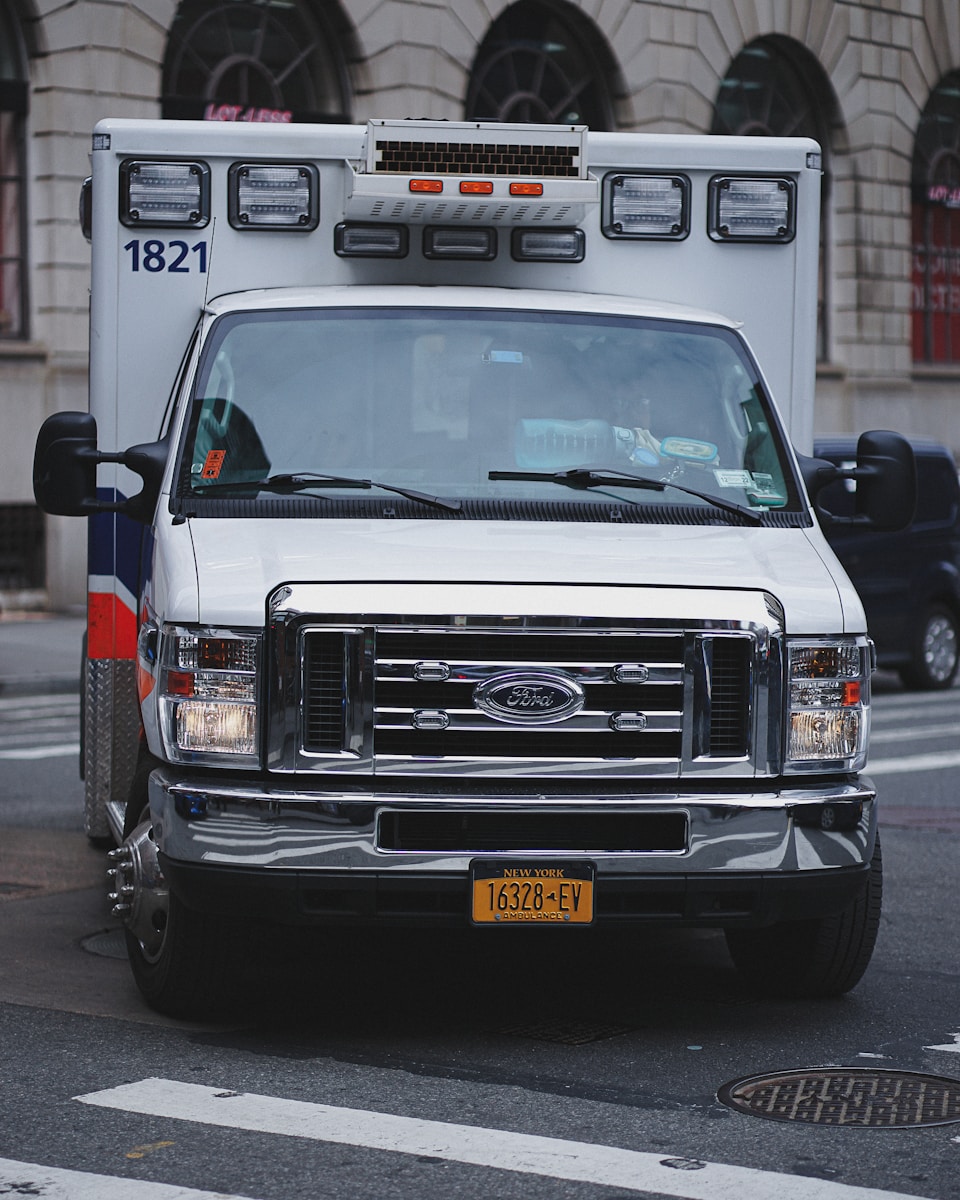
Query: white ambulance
{"points": [[451, 558]]}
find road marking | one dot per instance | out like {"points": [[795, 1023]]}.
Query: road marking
{"points": [[914, 735], [943, 760], [66, 702], [26, 753], [500, 1149], [31, 1179], [954, 1048]]}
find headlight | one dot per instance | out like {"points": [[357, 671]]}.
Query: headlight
{"points": [[828, 719], [209, 684]]}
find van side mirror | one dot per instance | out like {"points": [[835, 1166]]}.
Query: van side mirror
{"points": [[65, 465], [65, 469], [886, 479]]}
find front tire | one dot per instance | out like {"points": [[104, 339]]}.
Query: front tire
{"points": [[936, 653], [183, 961], [818, 958]]}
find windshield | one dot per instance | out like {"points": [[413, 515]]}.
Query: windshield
{"points": [[458, 403]]}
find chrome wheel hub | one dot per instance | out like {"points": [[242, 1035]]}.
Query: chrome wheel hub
{"points": [[140, 894]]}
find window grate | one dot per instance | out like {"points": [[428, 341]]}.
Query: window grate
{"points": [[22, 547]]}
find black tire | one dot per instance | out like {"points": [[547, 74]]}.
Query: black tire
{"points": [[813, 959], [936, 651], [190, 973]]}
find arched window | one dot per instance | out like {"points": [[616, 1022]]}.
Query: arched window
{"points": [[253, 60], [936, 227], [776, 88], [542, 62], [13, 239]]}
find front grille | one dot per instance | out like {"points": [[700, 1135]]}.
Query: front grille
{"points": [[395, 699]]}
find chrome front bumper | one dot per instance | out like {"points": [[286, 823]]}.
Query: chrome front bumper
{"points": [[246, 825], [319, 857]]}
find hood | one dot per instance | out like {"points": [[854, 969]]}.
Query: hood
{"points": [[239, 562]]}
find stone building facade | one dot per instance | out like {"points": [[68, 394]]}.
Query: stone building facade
{"points": [[877, 83]]}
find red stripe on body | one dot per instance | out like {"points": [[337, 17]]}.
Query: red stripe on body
{"points": [[111, 627]]}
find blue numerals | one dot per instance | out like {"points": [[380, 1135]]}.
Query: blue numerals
{"points": [[179, 258]]}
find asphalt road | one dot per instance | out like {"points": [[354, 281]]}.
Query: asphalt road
{"points": [[470, 1052]]}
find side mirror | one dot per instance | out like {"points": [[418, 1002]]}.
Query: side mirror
{"points": [[886, 478], [886, 475], [65, 465], [65, 469]]}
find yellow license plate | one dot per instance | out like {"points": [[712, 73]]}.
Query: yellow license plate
{"points": [[532, 893]]}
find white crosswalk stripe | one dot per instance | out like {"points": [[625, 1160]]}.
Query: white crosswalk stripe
{"points": [[55, 1183], [500, 1149], [908, 719], [38, 727]]}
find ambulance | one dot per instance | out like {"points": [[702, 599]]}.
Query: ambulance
{"points": [[454, 549]]}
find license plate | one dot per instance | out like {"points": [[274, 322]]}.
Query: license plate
{"points": [[532, 893]]}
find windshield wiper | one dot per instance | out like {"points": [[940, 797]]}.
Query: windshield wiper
{"points": [[293, 482], [588, 477]]}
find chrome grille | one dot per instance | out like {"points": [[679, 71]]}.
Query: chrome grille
{"points": [[396, 699], [470, 658]]}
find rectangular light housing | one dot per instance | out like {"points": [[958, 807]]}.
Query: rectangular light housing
{"points": [[279, 196], [646, 206], [829, 704], [209, 685], [452, 242], [360, 240], [175, 194], [752, 209], [547, 245]]}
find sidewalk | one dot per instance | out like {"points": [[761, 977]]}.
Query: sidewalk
{"points": [[40, 652]]}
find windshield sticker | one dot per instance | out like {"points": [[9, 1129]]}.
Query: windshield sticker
{"points": [[504, 356], [733, 479], [763, 490], [213, 464]]}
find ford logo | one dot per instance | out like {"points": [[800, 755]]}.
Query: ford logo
{"points": [[529, 697]]}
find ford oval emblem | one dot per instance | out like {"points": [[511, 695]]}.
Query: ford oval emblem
{"points": [[529, 697]]}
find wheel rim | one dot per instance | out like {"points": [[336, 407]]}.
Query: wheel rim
{"points": [[940, 648], [142, 897]]}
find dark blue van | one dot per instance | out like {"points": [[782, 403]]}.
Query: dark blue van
{"points": [[909, 581]]}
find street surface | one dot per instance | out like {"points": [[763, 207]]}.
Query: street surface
{"points": [[421, 1066]]}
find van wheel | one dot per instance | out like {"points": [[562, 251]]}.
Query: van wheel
{"points": [[936, 654], [817, 958], [180, 959]]}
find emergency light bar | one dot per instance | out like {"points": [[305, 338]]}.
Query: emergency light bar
{"points": [[370, 241], [745, 209], [646, 206], [547, 245], [273, 196], [430, 173], [164, 193], [457, 242]]}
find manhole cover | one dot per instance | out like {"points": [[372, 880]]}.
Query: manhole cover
{"points": [[844, 1096]]}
